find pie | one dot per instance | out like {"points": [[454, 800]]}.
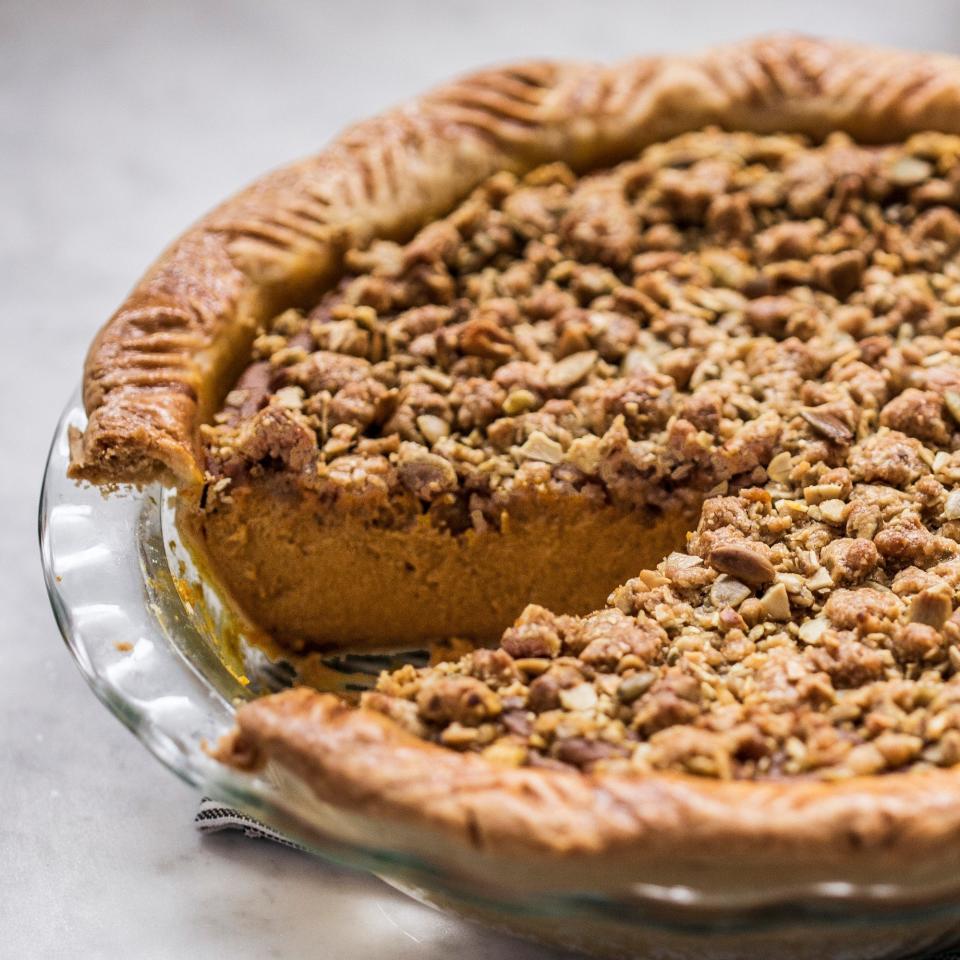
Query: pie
{"points": [[646, 380]]}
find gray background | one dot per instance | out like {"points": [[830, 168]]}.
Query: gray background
{"points": [[119, 124]]}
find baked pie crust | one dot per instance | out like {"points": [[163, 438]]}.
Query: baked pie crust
{"points": [[163, 364]]}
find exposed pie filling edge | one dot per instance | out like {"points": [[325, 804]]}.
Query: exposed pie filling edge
{"points": [[741, 316]]}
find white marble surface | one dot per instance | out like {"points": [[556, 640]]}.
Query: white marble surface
{"points": [[119, 123]]}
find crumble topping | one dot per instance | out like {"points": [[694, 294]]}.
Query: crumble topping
{"points": [[638, 336], [810, 630], [754, 320]]}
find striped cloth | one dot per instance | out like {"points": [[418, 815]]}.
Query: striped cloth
{"points": [[213, 816]]}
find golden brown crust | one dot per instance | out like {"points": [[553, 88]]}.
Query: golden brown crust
{"points": [[364, 762], [162, 361]]}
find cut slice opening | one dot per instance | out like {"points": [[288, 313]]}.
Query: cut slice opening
{"points": [[313, 578]]}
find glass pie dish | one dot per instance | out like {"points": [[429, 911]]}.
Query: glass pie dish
{"points": [[160, 650]]}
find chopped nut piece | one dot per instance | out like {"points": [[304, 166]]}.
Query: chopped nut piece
{"points": [[570, 370], [425, 474], [898, 748], [432, 428], [728, 592], [776, 602], [581, 697], [585, 453], [909, 171], [827, 426], [540, 447], [681, 561], [290, 397], [636, 360], [819, 492], [505, 753], [833, 511], [821, 580], [635, 686], [518, 401], [931, 606], [864, 759], [743, 561], [533, 666], [779, 467], [652, 578], [457, 736], [951, 507], [812, 630], [482, 337], [951, 400], [792, 581]]}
